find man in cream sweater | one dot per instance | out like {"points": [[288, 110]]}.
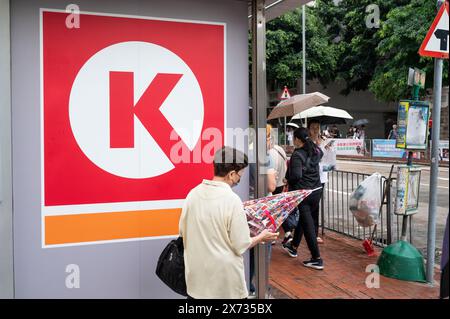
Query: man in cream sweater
{"points": [[215, 232]]}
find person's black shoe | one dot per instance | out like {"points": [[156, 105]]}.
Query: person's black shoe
{"points": [[290, 249], [314, 263], [287, 238]]}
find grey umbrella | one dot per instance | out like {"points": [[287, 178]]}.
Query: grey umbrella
{"points": [[297, 104], [361, 122]]}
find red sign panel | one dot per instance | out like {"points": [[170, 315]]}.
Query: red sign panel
{"points": [[114, 92]]}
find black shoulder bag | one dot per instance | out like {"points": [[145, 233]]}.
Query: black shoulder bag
{"points": [[170, 267]]}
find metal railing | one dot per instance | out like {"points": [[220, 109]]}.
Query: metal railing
{"points": [[336, 215], [367, 153]]}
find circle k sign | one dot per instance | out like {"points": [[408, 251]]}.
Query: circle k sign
{"points": [[113, 92], [121, 96]]}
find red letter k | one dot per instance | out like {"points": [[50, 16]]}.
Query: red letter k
{"points": [[122, 109]]}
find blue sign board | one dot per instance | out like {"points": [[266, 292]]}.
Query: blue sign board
{"points": [[386, 148]]}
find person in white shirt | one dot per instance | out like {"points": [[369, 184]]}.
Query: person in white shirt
{"points": [[326, 132], [290, 137], [314, 134], [291, 127], [279, 162], [215, 232]]}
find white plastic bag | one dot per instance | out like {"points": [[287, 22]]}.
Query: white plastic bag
{"points": [[328, 161], [365, 201]]}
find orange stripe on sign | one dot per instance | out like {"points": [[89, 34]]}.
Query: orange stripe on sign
{"points": [[70, 229]]}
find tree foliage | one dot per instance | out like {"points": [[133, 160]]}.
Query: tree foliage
{"points": [[340, 45], [284, 49], [399, 39]]}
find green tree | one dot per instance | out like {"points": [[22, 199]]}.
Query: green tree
{"points": [[357, 42], [399, 39], [284, 49], [340, 45]]}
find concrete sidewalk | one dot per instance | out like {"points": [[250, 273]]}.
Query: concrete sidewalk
{"points": [[344, 275]]}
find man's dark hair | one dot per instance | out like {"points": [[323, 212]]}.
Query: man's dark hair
{"points": [[312, 121], [228, 159]]}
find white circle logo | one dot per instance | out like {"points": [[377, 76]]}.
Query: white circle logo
{"points": [[110, 108]]}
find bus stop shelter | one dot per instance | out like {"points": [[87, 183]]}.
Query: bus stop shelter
{"points": [[81, 213]]}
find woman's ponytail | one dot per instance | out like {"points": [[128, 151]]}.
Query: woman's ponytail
{"points": [[309, 145]]}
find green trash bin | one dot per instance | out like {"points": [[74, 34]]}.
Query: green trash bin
{"points": [[402, 261]]}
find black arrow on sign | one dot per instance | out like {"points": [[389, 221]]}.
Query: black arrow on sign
{"points": [[442, 35]]}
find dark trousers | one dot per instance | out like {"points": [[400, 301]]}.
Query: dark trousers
{"points": [[316, 213], [306, 223], [285, 227], [291, 222], [315, 217], [252, 270], [444, 282], [253, 262]]}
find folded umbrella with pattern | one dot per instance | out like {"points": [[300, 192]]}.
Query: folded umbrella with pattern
{"points": [[271, 211]]}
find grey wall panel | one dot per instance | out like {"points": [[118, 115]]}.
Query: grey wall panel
{"points": [[6, 217], [112, 270]]}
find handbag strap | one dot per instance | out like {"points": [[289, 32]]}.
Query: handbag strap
{"points": [[279, 152]]}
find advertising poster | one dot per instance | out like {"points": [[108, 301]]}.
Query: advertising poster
{"points": [[401, 124], [349, 147], [408, 186], [412, 122], [417, 126], [386, 148], [443, 151], [328, 161], [413, 190]]}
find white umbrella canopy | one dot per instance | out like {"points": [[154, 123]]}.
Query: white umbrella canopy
{"points": [[293, 125], [297, 104], [326, 113]]}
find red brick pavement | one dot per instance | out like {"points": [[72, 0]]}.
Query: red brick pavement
{"points": [[344, 275]]}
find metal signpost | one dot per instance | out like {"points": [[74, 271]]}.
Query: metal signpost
{"points": [[284, 96], [402, 260], [304, 48], [435, 45], [260, 116]]}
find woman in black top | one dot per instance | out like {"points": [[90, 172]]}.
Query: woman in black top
{"points": [[304, 173]]}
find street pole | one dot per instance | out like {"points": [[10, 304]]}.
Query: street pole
{"points": [[409, 162], [304, 47], [259, 93], [435, 133]]}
